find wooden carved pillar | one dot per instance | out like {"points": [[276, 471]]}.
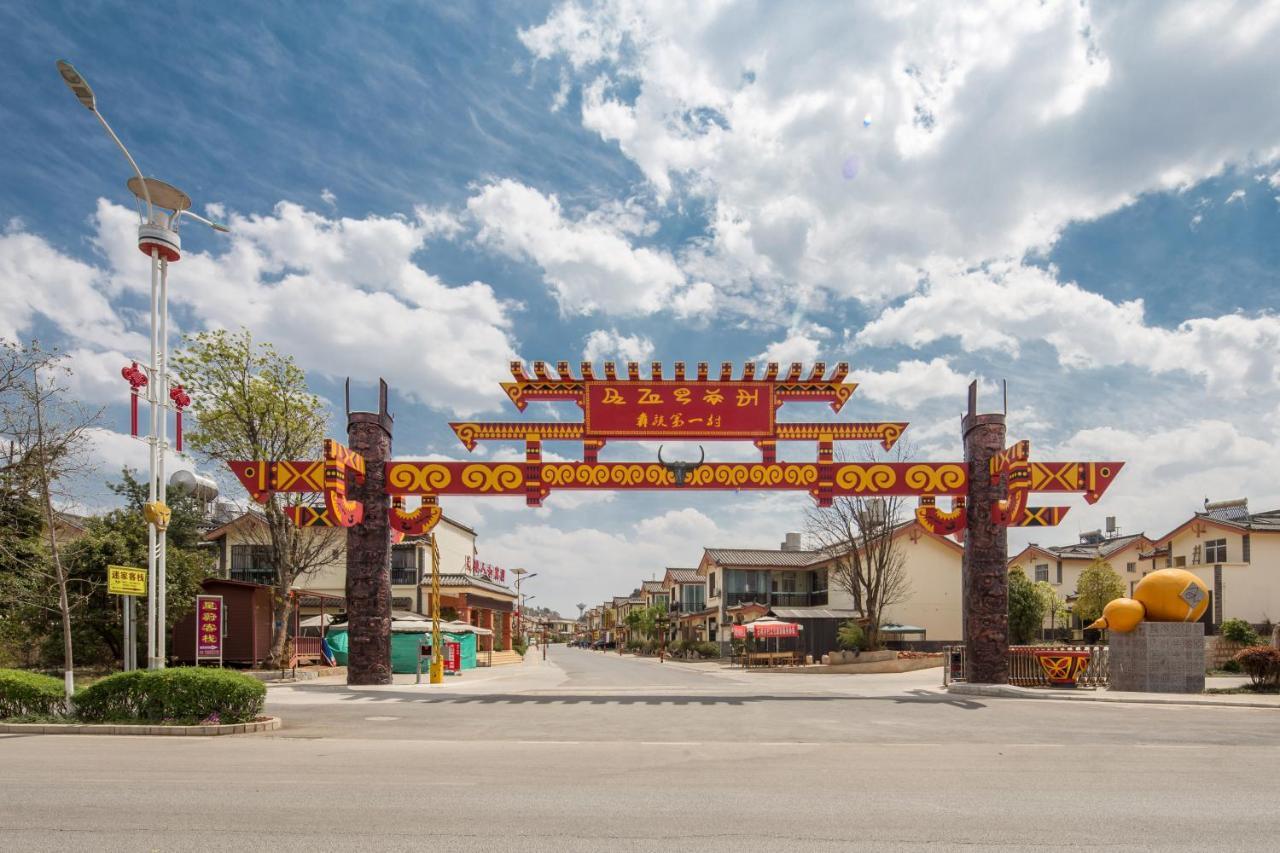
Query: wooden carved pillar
{"points": [[986, 550], [369, 549]]}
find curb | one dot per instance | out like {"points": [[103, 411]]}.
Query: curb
{"points": [[1008, 691], [270, 724]]}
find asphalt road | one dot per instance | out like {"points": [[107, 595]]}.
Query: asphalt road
{"points": [[595, 752]]}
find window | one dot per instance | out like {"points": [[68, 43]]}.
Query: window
{"points": [[1132, 584], [1131, 567], [1244, 548], [1179, 562], [1042, 572], [404, 564], [1059, 571], [1215, 551], [711, 585], [252, 564]]}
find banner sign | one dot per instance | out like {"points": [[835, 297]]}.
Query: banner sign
{"points": [[209, 627], [126, 580], [482, 569], [452, 657], [671, 409]]}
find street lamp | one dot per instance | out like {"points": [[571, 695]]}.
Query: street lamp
{"points": [[521, 575], [164, 205]]}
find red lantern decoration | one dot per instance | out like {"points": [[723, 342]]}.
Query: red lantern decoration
{"points": [[181, 399], [137, 379]]}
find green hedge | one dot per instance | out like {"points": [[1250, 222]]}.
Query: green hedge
{"points": [[182, 693], [29, 693]]}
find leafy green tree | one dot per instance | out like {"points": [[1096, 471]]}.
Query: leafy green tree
{"points": [[1026, 608], [1099, 584], [252, 402], [1055, 606], [120, 538]]}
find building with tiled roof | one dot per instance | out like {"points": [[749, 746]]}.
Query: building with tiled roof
{"points": [[1236, 553]]}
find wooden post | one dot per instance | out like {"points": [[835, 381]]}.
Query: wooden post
{"points": [[986, 550], [369, 549]]}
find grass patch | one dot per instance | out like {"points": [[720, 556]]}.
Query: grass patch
{"points": [[1265, 689]]}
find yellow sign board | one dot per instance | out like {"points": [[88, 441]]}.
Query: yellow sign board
{"points": [[126, 580]]}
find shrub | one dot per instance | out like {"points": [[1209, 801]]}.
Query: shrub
{"points": [[519, 646], [1262, 663], [182, 693], [850, 636], [1239, 631], [708, 649], [29, 693], [1231, 665]]}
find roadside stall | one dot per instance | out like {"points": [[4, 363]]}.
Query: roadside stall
{"points": [[761, 631]]}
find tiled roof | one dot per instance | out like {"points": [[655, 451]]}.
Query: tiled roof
{"points": [[683, 576], [1269, 520], [1090, 550], [453, 579], [651, 586], [763, 557]]}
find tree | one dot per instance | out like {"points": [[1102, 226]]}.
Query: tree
{"points": [[1055, 606], [47, 439], [119, 537], [1098, 585], [1026, 608], [867, 561], [252, 402]]}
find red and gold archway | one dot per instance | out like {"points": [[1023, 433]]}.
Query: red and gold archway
{"points": [[699, 405]]}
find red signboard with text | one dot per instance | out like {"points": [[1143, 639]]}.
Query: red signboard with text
{"points": [[209, 627], [452, 657], [676, 409]]}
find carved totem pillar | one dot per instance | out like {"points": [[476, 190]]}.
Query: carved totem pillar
{"points": [[369, 549], [986, 551]]}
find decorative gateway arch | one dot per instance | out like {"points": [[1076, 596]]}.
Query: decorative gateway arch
{"points": [[364, 489]]}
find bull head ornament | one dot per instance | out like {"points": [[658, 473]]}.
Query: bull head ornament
{"points": [[680, 470]]}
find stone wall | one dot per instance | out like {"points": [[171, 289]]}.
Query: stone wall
{"points": [[1159, 657]]}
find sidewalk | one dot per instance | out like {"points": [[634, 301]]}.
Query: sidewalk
{"points": [[1270, 701]]}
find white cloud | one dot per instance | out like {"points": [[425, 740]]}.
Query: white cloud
{"points": [[327, 196], [1004, 305], [612, 345], [344, 296], [589, 262], [804, 344], [995, 124], [912, 383], [1236, 195]]}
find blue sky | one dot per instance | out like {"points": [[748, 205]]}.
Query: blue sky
{"points": [[1079, 198]]}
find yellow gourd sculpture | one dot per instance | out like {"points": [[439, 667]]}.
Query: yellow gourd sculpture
{"points": [[1167, 595]]}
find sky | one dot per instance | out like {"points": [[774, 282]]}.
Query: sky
{"points": [[1080, 198]]}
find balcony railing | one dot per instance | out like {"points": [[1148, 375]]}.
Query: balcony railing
{"points": [[404, 576], [798, 599], [777, 599], [266, 577]]}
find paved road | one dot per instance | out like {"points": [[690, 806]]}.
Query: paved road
{"points": [[593, 752]]}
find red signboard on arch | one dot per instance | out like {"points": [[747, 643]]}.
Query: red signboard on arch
{"points": [[677, 409]]}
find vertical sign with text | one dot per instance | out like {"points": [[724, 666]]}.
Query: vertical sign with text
{"points": [[209, 628]]}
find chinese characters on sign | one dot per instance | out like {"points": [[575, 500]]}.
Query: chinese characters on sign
{"points": [[209, 627], [674, 409], [484, 570], [126, 580]]}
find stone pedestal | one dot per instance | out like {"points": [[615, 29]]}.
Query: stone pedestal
{"points": [[1159, 657]]}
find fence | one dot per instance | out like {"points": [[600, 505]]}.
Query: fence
{"points": [[1025, 669]]}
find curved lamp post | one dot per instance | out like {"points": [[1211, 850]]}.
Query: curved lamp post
{"points": [[163, 206]]}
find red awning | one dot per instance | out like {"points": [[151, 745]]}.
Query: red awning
{"points": [[761, 630]]}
